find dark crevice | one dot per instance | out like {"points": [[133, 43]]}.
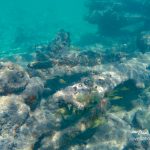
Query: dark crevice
{"points": [[37, 144], [58, 82]]}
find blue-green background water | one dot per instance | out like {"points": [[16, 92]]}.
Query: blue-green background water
{"points": [[27, 22]]}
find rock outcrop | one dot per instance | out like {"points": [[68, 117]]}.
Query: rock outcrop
{"points": [[70, 103]]}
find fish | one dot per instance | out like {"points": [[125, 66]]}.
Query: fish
{"points": [[62, 81], [125, 89], [117, 98]]}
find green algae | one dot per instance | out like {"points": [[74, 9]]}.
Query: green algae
{"points": [[100, 121]]}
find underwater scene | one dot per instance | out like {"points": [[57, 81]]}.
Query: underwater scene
{"points": [[75, 75]]}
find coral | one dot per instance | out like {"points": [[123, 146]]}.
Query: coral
{"points": [[114, 16], [142, 119], [89, 98], [13, 78], [143, 41], [76, 102], [13, 114], [97, 122], [70, 59], [138, 139], [61, 42], [44, 53], [33, 92]]}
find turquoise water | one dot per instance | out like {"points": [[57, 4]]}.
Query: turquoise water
{"points": [[28, 22]]}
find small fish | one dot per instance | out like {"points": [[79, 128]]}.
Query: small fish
{"points": [[62, 81], [112, 93], [117, 98], [61, 111], [125, 89]]}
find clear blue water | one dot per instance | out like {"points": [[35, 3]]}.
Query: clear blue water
{"points": [[27, 22]]}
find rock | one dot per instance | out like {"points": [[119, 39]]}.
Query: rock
{"points": [[33, 92], [107, 77], [13, 78], [40, 65], [112, 135], [13, 114], [138, 140], [74, 115], [142, 119], [61, 42]]}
